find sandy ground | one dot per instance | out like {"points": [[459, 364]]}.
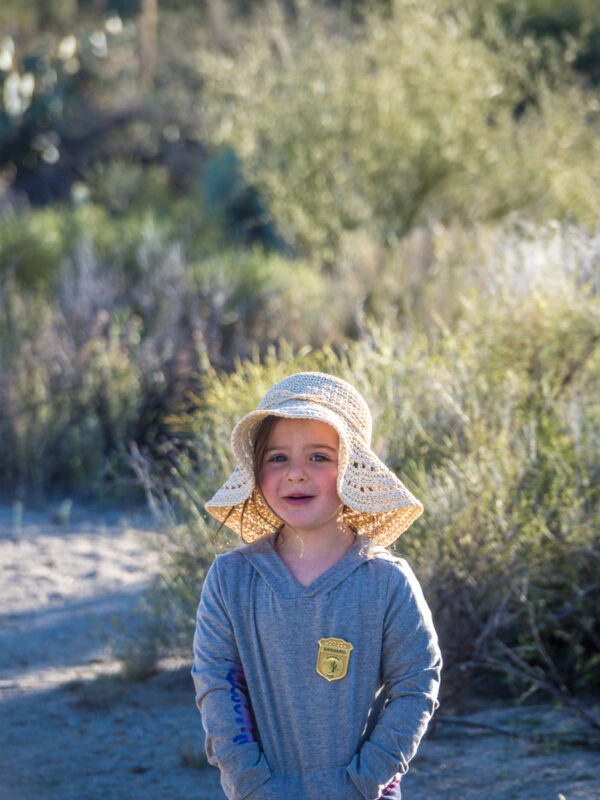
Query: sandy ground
{"points": [[72, 729]]}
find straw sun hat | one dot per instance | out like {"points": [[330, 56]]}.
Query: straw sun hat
{"points": [[376, 502]]}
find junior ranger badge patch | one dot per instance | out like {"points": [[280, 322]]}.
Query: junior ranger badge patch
{"points": [[333, 658]]}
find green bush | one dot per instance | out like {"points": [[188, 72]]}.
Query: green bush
{"points": [[104, 326], [406, 117], [31, 247], [492, 421]]}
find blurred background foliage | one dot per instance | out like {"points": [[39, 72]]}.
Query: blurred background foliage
{"points": [[199, 198]]}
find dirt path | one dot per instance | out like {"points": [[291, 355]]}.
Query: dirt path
{"points": [[70, 730]]}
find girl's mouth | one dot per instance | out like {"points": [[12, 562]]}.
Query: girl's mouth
{"points": [[298, 499]]}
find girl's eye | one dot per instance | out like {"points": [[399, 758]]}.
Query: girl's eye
{"points": [[277, 459], [319, 457]]}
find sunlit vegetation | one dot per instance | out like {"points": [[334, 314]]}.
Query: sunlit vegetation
{"points": [[197, 199]]}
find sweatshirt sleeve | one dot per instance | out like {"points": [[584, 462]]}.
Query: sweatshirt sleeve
{"points": [[411, 665], [222, 697]]}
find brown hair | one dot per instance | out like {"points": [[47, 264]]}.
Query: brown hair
{"points": [[261, 440]]}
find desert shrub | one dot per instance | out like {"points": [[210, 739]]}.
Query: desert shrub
{"points": [[566, 23], [491, 412], [404, 118], [250, 300], [70, 389], [497, 445], [37, 244], [98, 349], [492, 421], [31, 247]]}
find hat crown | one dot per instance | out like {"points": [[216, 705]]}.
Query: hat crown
{"points": [[326, 390]]}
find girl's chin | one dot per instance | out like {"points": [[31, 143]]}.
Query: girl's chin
{"points": [[307, 523]]}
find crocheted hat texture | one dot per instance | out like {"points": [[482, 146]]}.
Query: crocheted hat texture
{"points": [[377, 504]]}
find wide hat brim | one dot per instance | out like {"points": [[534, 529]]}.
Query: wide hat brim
{"points": [[376, 502]]}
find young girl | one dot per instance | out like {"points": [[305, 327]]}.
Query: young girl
{"points": [[316, 663]]}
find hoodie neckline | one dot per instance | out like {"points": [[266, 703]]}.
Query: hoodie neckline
{"points": [[265, 559]]}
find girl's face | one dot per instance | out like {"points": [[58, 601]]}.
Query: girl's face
{"points": [[298, 474]]}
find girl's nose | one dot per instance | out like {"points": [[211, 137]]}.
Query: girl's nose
{"points": [[295, 471]]}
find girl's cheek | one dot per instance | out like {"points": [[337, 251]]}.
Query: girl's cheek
{"points": [[268, 474]]}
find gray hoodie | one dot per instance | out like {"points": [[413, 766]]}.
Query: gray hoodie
{"points": [[317, 691]]}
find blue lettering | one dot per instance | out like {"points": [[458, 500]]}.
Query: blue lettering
{"points": [[237, 680]]}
